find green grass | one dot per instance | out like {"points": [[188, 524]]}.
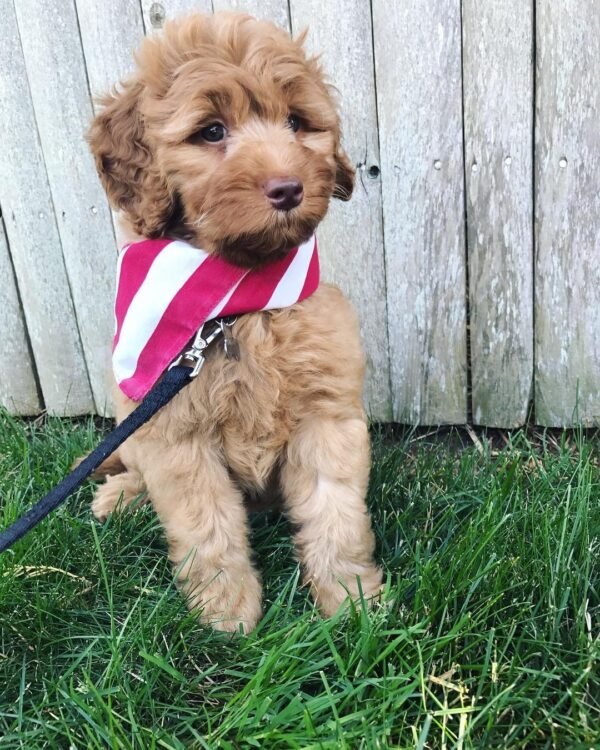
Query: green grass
{"points": [[488, 637]]}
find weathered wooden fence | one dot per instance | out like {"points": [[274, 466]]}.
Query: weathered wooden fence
{"points": [[471, 247]]}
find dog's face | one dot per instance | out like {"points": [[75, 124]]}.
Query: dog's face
{"points": [[227, 135]]}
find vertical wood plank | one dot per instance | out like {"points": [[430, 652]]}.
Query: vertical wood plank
{"points": [[498, 117], [418, 76], [351, 237], [34, 239], [18, 390], [567, 281], [61, 99], [272, 10], [156, 13], [110, 33]]}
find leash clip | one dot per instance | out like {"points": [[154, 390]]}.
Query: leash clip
{"points": [[195, 354]]}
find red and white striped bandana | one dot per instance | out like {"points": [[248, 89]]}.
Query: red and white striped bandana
{"points": [[168, 289]]}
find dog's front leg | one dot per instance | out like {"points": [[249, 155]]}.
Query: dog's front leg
{"points": [[324, 480], [205, 521]]}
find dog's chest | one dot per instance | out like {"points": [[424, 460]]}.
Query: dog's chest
{"points": [[303, 362], [249, 402]]}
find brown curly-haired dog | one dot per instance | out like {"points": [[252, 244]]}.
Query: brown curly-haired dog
{"points": [[220, 106]]}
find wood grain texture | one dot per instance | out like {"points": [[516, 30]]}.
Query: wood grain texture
{"points": [[34, 239], [351, 237], [156, 13], [567, 205], [498, 125], [18, 389], [63, 109], [272, 10], [418, 67], [110, 33], [59, 242]]}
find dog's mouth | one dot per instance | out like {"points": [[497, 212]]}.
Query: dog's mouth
{"points": [[251, 250]]}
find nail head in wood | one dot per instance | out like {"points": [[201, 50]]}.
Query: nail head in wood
{"points": [[157, 15]]}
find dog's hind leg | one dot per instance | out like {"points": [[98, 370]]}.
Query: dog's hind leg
{"points": [[116, 493], [111, 465], [324, 482]]}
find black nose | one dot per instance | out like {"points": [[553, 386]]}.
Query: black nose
{"points": [[284, 193]]}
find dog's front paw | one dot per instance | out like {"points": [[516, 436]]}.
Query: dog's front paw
{"points": [[227, 603], [102, 507], [332, 593], [117, 492]]}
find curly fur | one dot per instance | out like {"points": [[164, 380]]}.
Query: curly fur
{"points": [[289, 414]]}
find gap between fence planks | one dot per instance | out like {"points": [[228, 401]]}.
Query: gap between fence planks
{"points": [[498, 127]]}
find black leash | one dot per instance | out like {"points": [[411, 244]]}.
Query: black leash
{"points": [[175, 378], [173, 381]]}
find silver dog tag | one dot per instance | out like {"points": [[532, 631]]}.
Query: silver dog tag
{"points": [[230, 344]]}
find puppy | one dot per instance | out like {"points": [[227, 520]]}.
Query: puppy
{"points": [[221, 109]]}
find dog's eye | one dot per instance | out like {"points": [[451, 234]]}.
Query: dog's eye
{"points": [[214, 132], [294, 123]]}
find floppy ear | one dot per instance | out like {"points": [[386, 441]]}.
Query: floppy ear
{"points": [[125, 162], [344, 177]]}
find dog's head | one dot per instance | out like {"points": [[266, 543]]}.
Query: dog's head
{"points": [[227, 135]]}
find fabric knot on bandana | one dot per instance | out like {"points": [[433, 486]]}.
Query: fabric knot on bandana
{"points": [[168, 289]]}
